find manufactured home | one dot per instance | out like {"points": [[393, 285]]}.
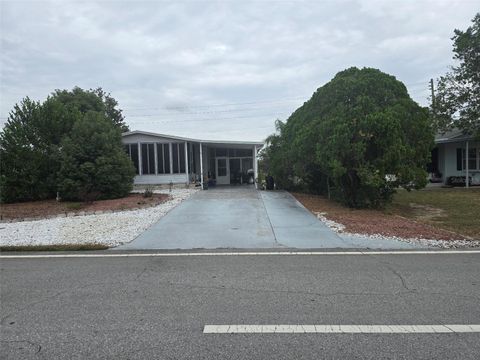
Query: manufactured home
{"points": [[455, 158], [165, 159]]}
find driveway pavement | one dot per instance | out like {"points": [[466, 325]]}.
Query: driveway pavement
{"points": [[242, 217]]}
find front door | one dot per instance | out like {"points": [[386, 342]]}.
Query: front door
{"points": [[222, 171]]}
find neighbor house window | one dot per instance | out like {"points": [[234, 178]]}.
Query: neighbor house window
{"points": [[132, 152], [178, 158], [148, 159], [473, 159], [163, 157]]}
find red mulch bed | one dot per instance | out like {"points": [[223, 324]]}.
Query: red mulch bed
{"points": [[364, 221], [45, 208]]}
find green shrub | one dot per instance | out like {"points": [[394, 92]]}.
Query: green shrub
{"points": [[93, 164], [361, 134], [148, 193], [30, 143]]}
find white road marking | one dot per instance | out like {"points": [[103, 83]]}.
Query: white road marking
{"points": [[340, 329], [256, 253]]}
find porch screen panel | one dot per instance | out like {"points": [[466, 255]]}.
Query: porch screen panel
{"points": [[222, 167], [221, 152], [181, 155], [148, 159], [163, 158], [247, 164], [166, 157], [178, 157], [132, 152], [160, 165], [175, 158], [243, 152]]}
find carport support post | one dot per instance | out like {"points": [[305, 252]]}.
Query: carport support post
{"points": [[186, 164], [466, 165], [201, 166], [255, 166]]}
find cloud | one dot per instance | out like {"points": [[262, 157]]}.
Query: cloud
{"points": [[164, 62]]}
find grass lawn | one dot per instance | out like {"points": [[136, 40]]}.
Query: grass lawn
{"points": [[67, 247], [455, 209]]}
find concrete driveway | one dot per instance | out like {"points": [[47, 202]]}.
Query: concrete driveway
{"points": [[242, 217]]}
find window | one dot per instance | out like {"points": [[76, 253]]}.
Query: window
{"points": [[178, 158], [163, 157], [132, 152], [148, 159], [473, 159]]}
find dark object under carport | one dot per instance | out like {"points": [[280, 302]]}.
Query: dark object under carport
{"points": [[270, 182]]}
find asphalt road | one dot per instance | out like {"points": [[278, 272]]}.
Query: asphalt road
{"points": [[156, 307]]}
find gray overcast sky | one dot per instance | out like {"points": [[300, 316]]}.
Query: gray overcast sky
{"points": [[219, 70]]}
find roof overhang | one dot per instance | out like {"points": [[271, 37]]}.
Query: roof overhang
{"points": [[180, 138], [451, 136]]}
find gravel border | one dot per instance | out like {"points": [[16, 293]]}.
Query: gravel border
{"points": [[110, 229], [444, 244]]}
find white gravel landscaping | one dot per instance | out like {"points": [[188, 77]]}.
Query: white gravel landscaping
{"points": [[420, 242], [110, 229]]}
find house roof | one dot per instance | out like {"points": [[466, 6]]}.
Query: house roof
{"points": [[452, 136], [219, 142]]}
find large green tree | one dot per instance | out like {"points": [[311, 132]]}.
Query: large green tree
{"points": [[93, 164], [95, 100], [31, 141], [360, 134], [29, 149], [457, 100]]}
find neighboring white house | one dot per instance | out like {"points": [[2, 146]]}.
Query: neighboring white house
{"points": [[165, 159], [449, 158]]}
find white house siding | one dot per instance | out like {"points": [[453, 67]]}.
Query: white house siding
{"points": [[160, 179], [448, 157]]}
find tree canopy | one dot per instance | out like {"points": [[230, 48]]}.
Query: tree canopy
{"points": [[360, 134], [32, 141], [95, 100], [457, 100], [92, 164]]}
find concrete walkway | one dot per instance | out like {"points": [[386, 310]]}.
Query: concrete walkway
{"points": [[242, 217]]}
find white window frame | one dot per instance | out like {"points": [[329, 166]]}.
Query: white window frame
{"points": [[465, 158]]}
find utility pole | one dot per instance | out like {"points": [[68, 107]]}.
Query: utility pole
{"points": [[433, 95]]}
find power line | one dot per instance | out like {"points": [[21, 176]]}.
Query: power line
{"points": [[205, 112], [218, 105], [418, 83], [209, 119]]}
